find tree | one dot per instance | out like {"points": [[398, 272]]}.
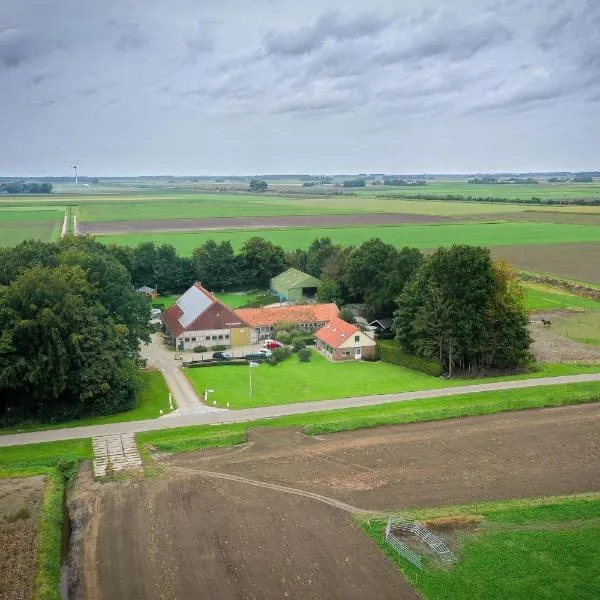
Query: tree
{"points": [[329, 292], [216, 265], [258, 185], [144, 264], [318, 254], [259, 261], [353, 183], [347, 315]]}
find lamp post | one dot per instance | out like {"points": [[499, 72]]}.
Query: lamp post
{"points": [[251, 365]]}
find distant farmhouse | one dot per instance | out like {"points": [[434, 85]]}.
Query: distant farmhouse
{"points": [[339, 340], [308, 317], [200, 319], [295, 286]]}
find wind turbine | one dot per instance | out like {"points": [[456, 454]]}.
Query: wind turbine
{"points": [[74, 167]]}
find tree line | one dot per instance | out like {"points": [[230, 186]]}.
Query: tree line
{"points": [[70, 331], [21, 187]]}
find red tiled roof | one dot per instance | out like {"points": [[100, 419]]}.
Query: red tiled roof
{"points": [[308, 313], [212, 314], [336, 332]]}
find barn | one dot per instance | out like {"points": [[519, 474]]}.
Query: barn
{"points": [[295, 286]]}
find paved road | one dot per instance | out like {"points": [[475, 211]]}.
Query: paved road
{"points": [[266, 412], [184, 394]]}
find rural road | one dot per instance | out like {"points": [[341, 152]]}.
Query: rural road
{"points": [[267, 412]]}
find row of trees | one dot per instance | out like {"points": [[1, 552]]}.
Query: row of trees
{"points": [[70, 330], [21, 187]]}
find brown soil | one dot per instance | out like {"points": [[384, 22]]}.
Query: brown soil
{"points": [[267, 519], [111, 227], [549, 346], [580, 260], [20, 506]]}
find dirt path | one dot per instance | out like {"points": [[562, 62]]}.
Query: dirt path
{"points": [[216, 223]]}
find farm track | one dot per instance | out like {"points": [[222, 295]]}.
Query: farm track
{"points": [[226, 223]]}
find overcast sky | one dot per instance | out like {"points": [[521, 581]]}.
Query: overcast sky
{"points": [[272, 86]]}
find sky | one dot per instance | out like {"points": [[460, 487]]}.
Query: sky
{"points": [[143, 87]]}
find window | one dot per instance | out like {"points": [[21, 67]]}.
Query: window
{"points": [[357, 338], [221, 337], [193, 339], [187, 339], [214, 337], [226, 336], [346, 353]]}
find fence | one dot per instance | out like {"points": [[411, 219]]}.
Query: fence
{"points": [[414, 527]]}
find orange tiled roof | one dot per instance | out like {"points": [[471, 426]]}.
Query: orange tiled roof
{"points": [[308, 313], [336, 332]]}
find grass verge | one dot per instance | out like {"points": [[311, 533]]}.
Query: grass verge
{"points": [[484, 403], [152, 397], [526, 548]]}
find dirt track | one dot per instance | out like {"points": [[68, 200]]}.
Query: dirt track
{"points": [[216, 223], [188, 534]]}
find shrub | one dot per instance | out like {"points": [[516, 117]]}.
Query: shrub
{"points": [[284, 326], [200, 349], [390, 351], [304, 354], [284, 337], [298, 343], [279, 355], [347, 315], [219, 347]]}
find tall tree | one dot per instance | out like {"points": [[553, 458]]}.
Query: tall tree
{"points": [[216, 266], [260, 260]]}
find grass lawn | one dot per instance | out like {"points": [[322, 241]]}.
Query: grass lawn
{"points": [[166, 301], [431, 409], [418, 236], [292, 381], [152, 397], [583, 327], [540, 297], [237, 300], [17, 225], [524, 549]]}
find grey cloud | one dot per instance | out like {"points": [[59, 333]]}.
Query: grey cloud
{"points": [[17, 46], [130, 37], [201, 41], [40, 77], [327, 26]]}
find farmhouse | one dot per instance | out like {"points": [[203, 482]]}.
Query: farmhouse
{"points": [[339, 340], [309, 318], [295, 286], [199, 319]]}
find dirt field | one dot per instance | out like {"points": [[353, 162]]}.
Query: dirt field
{"points": [[20, 506], [579, 261], [273, 518], [550, 346], [112, 227]]}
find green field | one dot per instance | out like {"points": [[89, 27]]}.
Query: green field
{"points": [[292, 381], [540, 297], [152, 397], [237, 300], [522, 549], [521, 192], [21, 223], [582, 327], [418, 236]]}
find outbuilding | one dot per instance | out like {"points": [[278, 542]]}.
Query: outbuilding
{"points": [[339, 340], [295, 286]]}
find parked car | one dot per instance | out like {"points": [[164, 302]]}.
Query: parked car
{"points": [[221, 356], [155, 313], [262, 353], [272, 344]]}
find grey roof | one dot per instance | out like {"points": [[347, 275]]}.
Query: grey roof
{"points": [[145, 290], [192, 304], [383, 323]]}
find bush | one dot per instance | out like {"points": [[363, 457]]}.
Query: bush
{"points": [[279, 355], [200, 349], [304, 354], [220, 347], [284, 326], [390, 351], [284, 337], [298, 344], [347, 315]]}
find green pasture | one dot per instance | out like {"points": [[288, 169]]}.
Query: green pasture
{"points": [[237, 300], [522, 549], [522, 192], [152, 397], [419, 236], [541, 297], [20, 223], [292, 381], [582, 327]]}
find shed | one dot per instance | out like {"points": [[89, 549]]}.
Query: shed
{"points": [[147, 291], [295, 285]]}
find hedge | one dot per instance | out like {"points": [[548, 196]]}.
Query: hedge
{"points": [[390, 351]]}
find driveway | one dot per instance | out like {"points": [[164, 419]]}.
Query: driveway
{"points": [[186, 399]]}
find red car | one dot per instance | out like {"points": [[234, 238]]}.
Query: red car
{"points": [[272, 344]]}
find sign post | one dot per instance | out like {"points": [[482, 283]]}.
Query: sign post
{"points": [[251, 365]]}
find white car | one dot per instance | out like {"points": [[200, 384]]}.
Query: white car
{"points": [[155, 313], [265, 352]]}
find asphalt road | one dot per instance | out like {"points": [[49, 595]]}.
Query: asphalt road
{"points": [[266, 412]]}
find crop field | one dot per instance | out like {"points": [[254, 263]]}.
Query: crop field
{"points": [[419, 236], [512, 191], [283, 507], [20, 223]]}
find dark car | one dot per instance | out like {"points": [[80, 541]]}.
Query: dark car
{"points": [[221, 356]]}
